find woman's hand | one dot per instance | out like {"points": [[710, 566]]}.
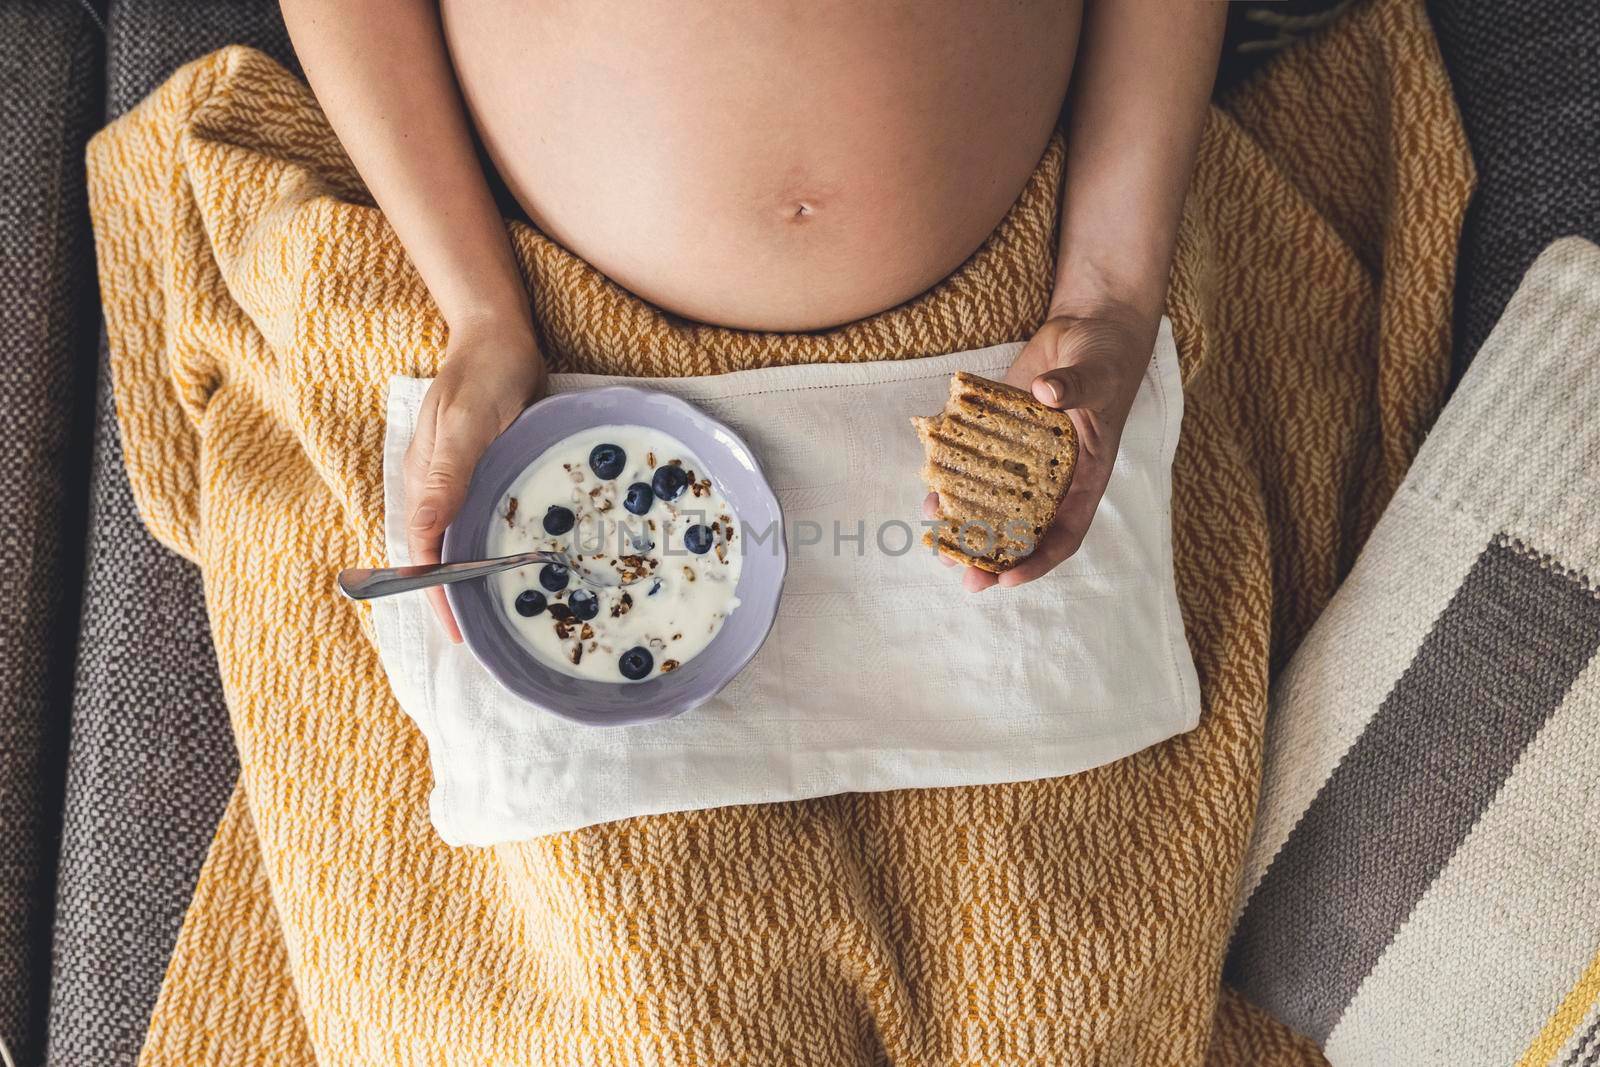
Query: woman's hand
{"points": [[491, 373], [1129, 157], [393, 99], [1089, 362]]}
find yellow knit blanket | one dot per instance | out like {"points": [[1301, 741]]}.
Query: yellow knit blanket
{"points": [[257, 304]]}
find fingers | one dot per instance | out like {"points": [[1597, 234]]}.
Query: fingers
{"points": [[1059, 543], [441, 611], [976, 580], [1073, 518], [973, 579], [930, 510]]}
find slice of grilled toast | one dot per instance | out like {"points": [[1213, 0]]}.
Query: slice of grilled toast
{"points": [[1000, 461]]}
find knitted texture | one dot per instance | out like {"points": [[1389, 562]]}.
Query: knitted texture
{"points": [[257, 305]]}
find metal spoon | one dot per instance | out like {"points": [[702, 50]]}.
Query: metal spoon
{"points": [[365, 583]]}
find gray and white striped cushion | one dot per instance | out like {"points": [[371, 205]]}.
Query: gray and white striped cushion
{"points": [[1424, 883]]}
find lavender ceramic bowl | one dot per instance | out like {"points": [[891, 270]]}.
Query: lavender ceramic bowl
{"points": [[485, 625]]}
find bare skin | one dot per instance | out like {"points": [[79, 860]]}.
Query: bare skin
{"points": [[767, 165]]}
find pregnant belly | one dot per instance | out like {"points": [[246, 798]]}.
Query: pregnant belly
{"points": [[760, 163]]}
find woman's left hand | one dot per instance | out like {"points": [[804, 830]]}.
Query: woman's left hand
{"points": [[1089, 363]]}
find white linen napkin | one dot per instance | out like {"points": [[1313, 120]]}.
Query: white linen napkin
{"points": [[881, 672]]}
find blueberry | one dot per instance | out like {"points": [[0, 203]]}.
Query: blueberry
{"points": [[558, 520], [607, 460], [530, 602], [670, 482], [584, 604], [553, 576], [636, 663], [654, 588], [698, 539], [640, 497]]}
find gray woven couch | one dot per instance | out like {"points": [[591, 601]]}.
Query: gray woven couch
{"points": [[115, 754]]}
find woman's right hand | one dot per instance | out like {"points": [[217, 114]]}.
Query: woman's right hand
{"points": [[491, 372]]}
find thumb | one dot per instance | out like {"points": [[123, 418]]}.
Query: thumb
{"points": [[1078, 379], [440, 490]]}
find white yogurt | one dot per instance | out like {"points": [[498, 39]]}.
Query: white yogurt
{"points": [[683, 596]]}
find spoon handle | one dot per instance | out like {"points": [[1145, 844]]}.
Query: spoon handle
{"points": [[364, 583]]}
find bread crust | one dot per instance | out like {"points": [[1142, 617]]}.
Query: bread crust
{"points": [[1000, 462]]}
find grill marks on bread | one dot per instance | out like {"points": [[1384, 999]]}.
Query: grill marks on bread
{"points": [[1000, 461]]}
